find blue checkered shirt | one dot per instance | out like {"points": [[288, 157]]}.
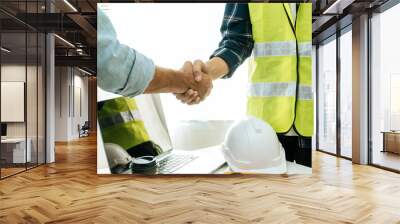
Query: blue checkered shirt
{"points": [[237, 39]]}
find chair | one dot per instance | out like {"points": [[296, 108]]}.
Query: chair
{"points": [[84, 130]]}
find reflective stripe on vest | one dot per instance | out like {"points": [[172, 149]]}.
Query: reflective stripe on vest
{"points": [[285, 48], [280, 89], [121, 123], [305, 49], [121, 117]]}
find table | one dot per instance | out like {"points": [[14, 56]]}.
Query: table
{"points": [[391, 141], [13, 150]]}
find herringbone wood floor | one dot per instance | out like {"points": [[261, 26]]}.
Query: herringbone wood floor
{"points": [[69, 191]]}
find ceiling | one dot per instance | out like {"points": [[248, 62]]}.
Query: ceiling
{"points": [[74, 22], [329, 16]]}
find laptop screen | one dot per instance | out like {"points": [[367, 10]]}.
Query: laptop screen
{"points": [[151, 113]]}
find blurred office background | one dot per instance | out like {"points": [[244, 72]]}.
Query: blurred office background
{"points": [[47, 77]]}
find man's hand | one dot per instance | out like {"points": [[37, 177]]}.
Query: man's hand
{"points": [[192, 83], [177, 81], [202, 87], [190, 94]]}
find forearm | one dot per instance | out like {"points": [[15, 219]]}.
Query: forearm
{"points": [[168, 81], [121, 69], [237, 39], [216, 67]]}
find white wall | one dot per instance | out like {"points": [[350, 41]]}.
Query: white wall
{"points": [[33, 127], [17, 73], [170, 42], [69, 82], [61, 103], [79, 117], [80, 81], [14, 73]]}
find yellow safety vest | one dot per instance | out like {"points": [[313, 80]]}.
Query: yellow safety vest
{"points": [[121, 123], [280, 85]]}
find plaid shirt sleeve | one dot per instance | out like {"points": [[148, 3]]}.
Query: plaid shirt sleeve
{"points": [[237, 39]]}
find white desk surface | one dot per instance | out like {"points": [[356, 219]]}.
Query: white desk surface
{"points": [[292, 168], [13, 140]]}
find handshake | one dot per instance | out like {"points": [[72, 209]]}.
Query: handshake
{"points": [[192, 83], [197, 83]]}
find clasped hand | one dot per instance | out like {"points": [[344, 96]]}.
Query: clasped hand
{"points": [[200, 85]]}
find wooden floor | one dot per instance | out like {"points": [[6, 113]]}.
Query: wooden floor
{"points": [[10, 171], [69, 191]]}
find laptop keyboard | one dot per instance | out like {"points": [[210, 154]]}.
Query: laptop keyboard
{"points": [[174, 162]]}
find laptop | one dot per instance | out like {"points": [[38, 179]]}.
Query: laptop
{"points": [[170, 161]]}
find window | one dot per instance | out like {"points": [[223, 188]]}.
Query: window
{"points": [[22, 88], [394, 101], [346, 94], [385, 89], [327, 97], [335, 137]]}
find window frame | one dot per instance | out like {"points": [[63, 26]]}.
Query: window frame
{"points": [[27, 29], [379, 10], [334, 37], [340, 31]]}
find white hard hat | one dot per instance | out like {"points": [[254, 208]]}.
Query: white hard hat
{"points": [[116, 155], [252, 146]]}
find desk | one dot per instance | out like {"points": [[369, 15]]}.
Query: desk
{"points": [[292, 168], [391, 141], [13, 150]]}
